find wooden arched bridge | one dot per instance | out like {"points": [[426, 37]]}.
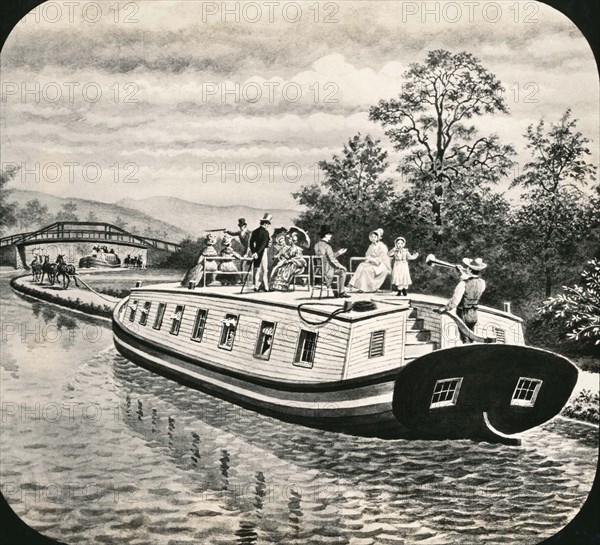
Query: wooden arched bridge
{"points": [[76, 239]]}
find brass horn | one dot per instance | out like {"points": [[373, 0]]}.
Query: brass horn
{"points": [[434, 261]]}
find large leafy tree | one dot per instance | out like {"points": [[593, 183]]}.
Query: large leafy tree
{"points": [[8, 209], [431, 120], [556, 215], [354, 196]]}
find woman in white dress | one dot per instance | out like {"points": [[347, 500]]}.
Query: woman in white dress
{"points": [[400, 273], [372, 272]]}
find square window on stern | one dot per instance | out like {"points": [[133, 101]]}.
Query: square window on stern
{"points": [[445, 392], [526, 392]]}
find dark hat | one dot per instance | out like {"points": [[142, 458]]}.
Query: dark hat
{"points": [[325, 230], [242, 221], [266, 218]]}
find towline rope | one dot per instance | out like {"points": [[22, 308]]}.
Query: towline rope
{"points": [[358, 306], [112, 300]]}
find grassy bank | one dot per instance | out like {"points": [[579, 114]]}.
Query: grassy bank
{"points": [[75, 304]]}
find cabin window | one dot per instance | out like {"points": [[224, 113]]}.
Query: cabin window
{"points": [[199, 325], [160, 313], [377, 344], [305, 352], [176, 319], [445, 392], [144, 313], [264, 343], [132, 310], [526, 392], [228, 331]]}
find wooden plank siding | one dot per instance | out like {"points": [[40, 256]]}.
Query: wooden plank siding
{"points": [[330, 350], [359, 362]]}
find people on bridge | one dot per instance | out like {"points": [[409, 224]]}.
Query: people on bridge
{"points": [[372, 272]]}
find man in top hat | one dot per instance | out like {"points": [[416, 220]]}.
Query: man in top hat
{"points": [[467, 293], [243, 233], [331, 266], [259, 242]]}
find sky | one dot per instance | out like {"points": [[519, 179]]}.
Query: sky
{"points": [[235, 103]]}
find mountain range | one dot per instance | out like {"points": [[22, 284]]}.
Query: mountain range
{"points": [[166, 218]]}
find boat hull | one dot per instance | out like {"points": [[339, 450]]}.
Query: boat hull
{"points": [[358, 407]]}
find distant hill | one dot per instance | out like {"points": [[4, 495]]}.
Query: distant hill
{"points": [[178, 218], [197, 218], [137, 222]]}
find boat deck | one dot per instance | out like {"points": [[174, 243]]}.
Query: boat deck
{"points": [[386, 301]]}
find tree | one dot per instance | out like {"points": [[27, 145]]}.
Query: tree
{"points": [[578, 307], [33, 215], [430, 121], [120, 222], [7, 209], [353, 198], [555, 215], [91, 216], [67, 212]]}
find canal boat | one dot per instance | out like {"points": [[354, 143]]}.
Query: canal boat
{"points": [[371, 365]]}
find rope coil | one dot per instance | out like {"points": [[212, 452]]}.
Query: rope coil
{"points": [[357, 306]]}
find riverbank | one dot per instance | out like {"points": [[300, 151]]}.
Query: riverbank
{"points": [[75, 298]]}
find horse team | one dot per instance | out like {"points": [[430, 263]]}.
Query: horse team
{"points": [[53, 271]]}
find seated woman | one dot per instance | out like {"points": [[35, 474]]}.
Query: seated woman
{"points": [[196, 273], [291, 260], [229, 265], [372, 272]]}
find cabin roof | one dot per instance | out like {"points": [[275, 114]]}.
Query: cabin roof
{"points": [[387, 302]]}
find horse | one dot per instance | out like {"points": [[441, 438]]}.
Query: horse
{"points": [[66, 270], [48, 269], [36, 268]]}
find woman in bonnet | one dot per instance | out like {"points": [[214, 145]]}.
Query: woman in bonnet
{"points": [[372, 272]]}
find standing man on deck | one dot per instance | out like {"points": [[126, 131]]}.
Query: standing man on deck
{"points": [[243, 233], [259, 242], [467, 293], [331, 266]]}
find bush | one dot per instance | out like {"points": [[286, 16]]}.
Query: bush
{"points": [[584, 407]]}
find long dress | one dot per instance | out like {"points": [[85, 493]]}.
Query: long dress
{"points": [[196, 273], [371, 274], [292, 263], [228, 266], [401, 273]]}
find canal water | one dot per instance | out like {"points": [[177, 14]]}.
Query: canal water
{"points": [[97, 450]]}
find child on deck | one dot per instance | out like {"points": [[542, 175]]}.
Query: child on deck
{"points": [[400, 273]]}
